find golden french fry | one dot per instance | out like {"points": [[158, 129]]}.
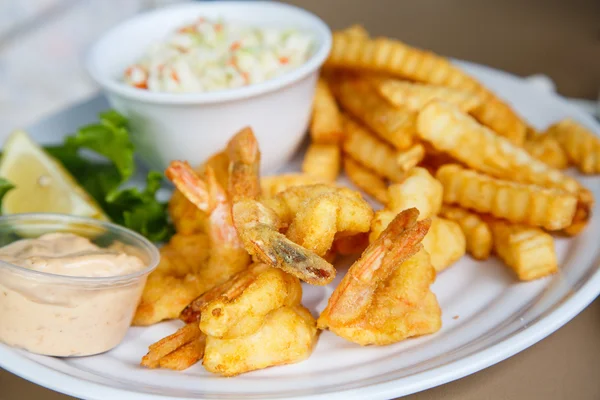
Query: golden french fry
{"points": [[547, 149], [445, 242], [415, 96], [450, 130], [550, 208], [355, 31], [418, 189], [322, 161], [526, 250], [581, 145], [370, 151], [395, 58], [326, 124], [477, 232], [394, 125], [502, 119], [410, 157], [271, 185], [367, 181]]}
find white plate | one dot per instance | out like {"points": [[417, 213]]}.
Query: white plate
{"points": [[487, 315]]}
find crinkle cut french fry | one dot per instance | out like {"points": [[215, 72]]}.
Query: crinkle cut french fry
{"points": [[415, 96], [418, 189], [326, 123], [547, 149], [370, 151], [552, 209], [410, 157], [581, 145], [450, 130], [271, 185], [445, 242], [322, 161], [477, 232], [392, 124], [355, 31], [366, 180], [501, 118], [528, 251], [398, 59]]}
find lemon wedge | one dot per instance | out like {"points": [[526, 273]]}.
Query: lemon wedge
{"points": [[42, 184]]}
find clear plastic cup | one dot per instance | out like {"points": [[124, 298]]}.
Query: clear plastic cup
{"points": [[61, 315]]}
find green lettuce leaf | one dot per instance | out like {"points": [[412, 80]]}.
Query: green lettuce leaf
{"points": [[5, 187], [103, 179]]}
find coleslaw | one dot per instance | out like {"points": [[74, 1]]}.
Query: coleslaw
{"points": [[210, 55]]}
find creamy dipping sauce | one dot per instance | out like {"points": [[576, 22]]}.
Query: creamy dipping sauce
{"points": [[55, 316], [210, 55]]}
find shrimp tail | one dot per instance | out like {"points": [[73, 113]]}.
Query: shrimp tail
{"points": [[189, 183], [244, 164]]}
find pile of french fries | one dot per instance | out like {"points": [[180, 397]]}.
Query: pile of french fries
{"points": [[412, 130]]}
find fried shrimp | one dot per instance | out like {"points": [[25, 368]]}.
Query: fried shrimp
{"points": [[385, 296], [354, 294], [227, 256], [259, 226], [252, 321], [218, 255]]}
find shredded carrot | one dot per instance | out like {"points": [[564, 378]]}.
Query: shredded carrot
{"points": [[174, 76], [186, 29], [246, 77], [235, 45], [284, 60], [142, 85], [218, 27]]}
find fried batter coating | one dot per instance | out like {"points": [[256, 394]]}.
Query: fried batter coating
{"points": [[392, 124], [418, 189], [528, 251], [355, 31], [316, 213], [552, 209], [287, 335], [445, 243], [271, 185], [415, 96], [477, 232], [322, 161], [241, 310], [326, 123], [176, 281], [366, 180], [258, 227], [449, 130], [187, 218], [385, 296], [581, 145], [371, 151], [547, 149]]}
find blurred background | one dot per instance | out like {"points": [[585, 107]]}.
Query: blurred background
{"points": [[42, 42]]}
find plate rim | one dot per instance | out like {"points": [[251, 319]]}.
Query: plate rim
{"points": [[561, 313]]}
